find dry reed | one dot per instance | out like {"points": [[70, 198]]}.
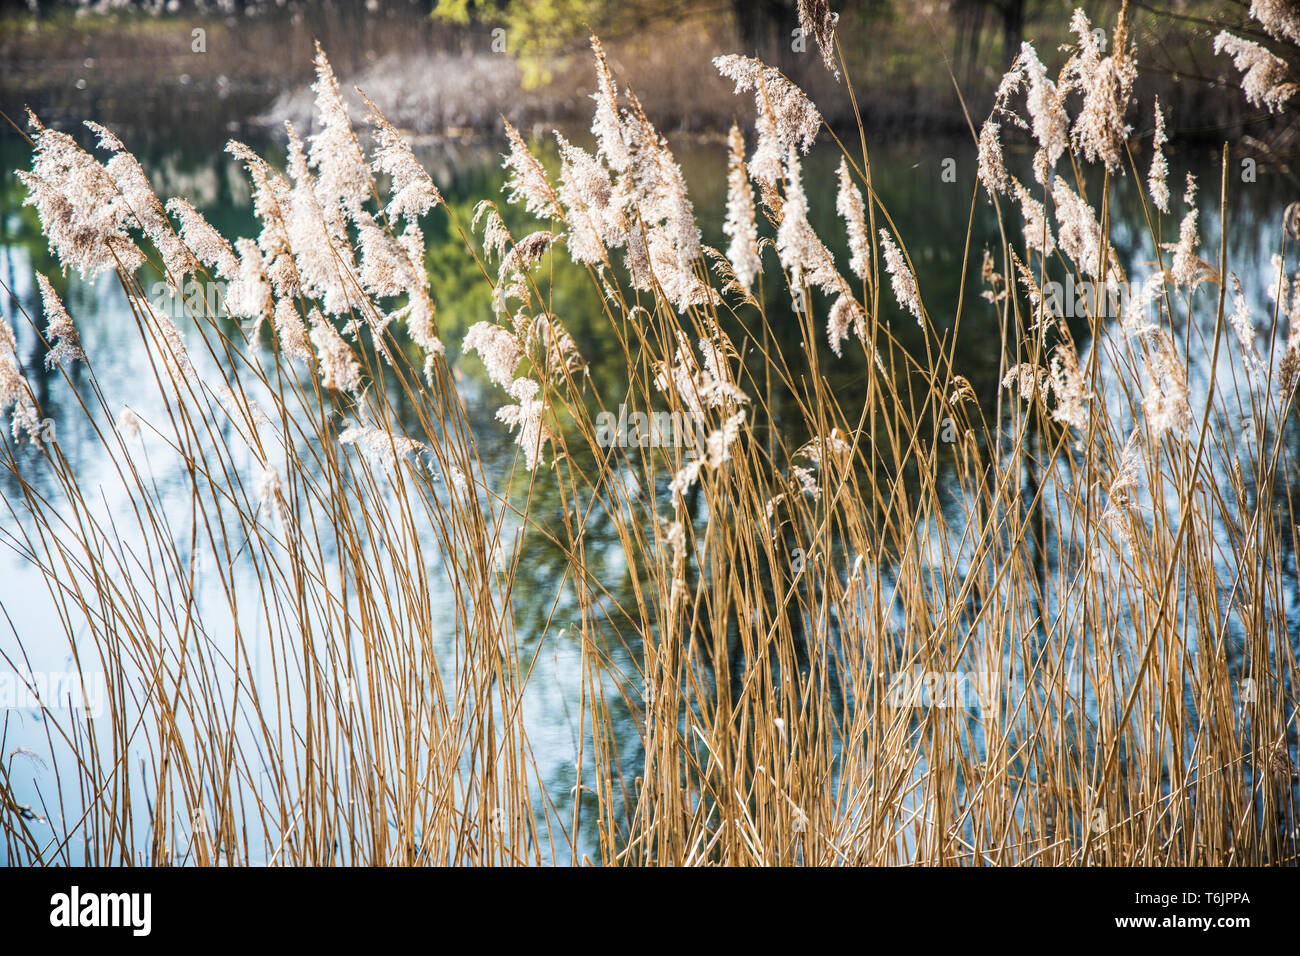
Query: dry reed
{"points": [[873, 628]]}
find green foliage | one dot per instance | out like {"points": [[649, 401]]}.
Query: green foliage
{"points": [[536, 31]]}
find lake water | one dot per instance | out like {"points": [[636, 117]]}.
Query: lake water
{"points": [[931, 214]]}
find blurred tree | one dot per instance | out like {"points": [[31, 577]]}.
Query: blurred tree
{"points": [[764, 27], [537, 30], [970, 17]]}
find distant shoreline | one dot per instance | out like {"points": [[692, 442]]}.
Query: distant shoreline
{"points": [[440, 82]]}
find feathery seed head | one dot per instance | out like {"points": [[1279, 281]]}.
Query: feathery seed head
{"points": [[739, 226], [797, 120], [901, 278], [60, 333], [1265, 77], [816, 20]]}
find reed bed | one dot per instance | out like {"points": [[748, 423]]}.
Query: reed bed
{"points": [[897, 625]]}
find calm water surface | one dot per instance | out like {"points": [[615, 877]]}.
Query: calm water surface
{"points": [[931, 214]]}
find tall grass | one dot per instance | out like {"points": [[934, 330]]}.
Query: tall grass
{"points": [[897, 625]]}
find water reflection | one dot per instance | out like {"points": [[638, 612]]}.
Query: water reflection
{"points": [[932, 215]]}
